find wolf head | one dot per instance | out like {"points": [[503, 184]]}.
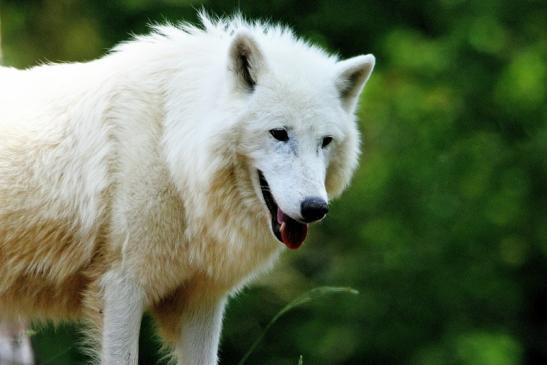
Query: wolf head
{"points": [[260, 131], [298, 126]]}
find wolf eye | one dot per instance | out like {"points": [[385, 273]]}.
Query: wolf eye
{"points": [[280, 134], [326, 141]]}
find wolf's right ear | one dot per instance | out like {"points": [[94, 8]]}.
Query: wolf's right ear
{"points": [[246, 60]]}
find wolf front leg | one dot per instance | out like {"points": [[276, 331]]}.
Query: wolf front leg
{"points": [[191, 323], [200, 333], [122, 315]]}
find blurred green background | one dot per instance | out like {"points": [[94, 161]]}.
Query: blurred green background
{"points": [[444, 229]]}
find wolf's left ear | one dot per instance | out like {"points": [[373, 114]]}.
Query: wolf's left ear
{"points": [[246, 60], [352, 74]]}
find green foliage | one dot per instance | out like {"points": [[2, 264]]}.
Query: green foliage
{"points": [[313, 294], [444, 229]]}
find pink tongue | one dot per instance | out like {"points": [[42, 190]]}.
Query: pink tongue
{"points": [[293, 233]]}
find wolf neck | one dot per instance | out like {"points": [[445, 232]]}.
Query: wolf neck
{"points": [[176, 91]]}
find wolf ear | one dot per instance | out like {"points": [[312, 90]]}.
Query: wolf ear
{"points": [[352, 74], [246, 60]]}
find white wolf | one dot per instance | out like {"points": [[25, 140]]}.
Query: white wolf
{"points": [[166, 175]]}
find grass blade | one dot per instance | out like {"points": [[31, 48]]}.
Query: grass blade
{"points": [[313, 294]]}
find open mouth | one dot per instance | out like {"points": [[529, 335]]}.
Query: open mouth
{"points": [[287, 230]]}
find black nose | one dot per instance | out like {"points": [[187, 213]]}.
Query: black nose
{"points": [[313, 209]]}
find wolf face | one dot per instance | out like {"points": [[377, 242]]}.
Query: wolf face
{"points": [[299, 131]]}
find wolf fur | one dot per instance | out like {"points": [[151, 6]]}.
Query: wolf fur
{"points": [[130, 183]]}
